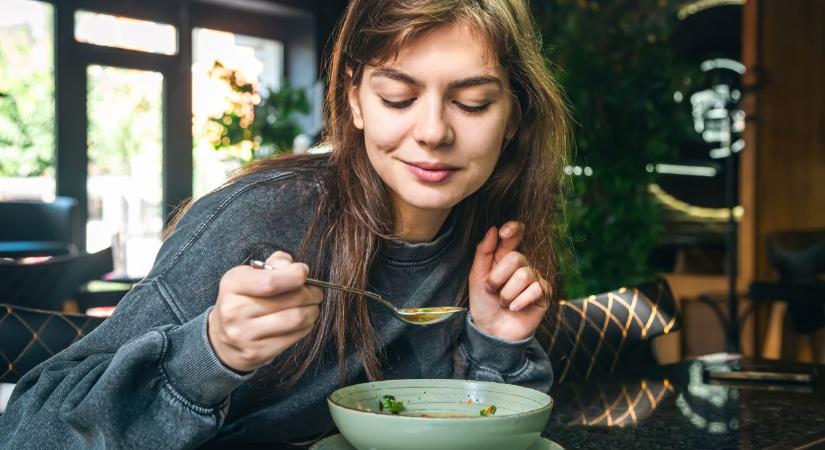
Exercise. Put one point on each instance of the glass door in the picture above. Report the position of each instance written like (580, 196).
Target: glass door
(125, 161)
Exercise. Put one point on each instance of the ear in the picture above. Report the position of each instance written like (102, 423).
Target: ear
(355, 107)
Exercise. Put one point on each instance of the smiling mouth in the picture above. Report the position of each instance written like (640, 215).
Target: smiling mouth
(431, 172)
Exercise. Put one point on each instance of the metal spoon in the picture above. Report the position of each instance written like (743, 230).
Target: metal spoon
(415, 316)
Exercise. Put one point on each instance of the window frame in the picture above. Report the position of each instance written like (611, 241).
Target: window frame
(286, 21)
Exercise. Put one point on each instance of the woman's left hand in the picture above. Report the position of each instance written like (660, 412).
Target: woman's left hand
(506, 294)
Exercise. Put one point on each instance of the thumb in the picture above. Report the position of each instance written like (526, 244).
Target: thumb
(485, 253)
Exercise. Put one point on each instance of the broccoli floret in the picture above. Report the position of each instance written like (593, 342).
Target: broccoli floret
(392, 405)
(488, 411)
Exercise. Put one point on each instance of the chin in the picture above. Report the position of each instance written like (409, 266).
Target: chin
(430, 200)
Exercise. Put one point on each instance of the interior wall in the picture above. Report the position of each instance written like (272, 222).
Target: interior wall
(783, 164)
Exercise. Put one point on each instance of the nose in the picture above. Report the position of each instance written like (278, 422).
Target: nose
(433, 130)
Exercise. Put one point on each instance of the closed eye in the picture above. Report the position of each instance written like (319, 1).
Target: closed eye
(472, 109)
(397, 105)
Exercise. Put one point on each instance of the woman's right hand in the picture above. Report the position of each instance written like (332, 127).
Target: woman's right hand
(260, 313)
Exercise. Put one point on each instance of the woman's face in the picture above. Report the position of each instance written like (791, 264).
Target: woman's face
(435, 118)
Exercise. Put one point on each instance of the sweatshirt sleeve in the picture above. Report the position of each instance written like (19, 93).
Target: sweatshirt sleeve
(480, 356)
(148, 377)
(162, 388)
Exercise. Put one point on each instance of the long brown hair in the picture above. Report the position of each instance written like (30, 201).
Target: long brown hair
(355, 214)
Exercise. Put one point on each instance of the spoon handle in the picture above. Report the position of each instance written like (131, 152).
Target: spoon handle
(325, 284)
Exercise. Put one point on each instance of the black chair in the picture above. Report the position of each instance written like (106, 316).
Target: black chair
(31, 336)
(47, 284)
(602, 333)
(799, 259)
(35, 228)
(610, 402)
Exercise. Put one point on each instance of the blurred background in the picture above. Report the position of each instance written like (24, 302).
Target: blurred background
(699, 139)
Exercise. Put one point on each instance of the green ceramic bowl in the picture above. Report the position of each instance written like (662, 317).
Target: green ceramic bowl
(440, 414)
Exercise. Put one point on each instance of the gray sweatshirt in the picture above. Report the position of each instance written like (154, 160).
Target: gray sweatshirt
(148, 377)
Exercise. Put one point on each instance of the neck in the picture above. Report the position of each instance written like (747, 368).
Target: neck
(418, 225)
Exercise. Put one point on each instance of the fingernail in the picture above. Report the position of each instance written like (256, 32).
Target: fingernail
(514, 307)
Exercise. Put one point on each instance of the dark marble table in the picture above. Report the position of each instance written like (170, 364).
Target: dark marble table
(676, 406)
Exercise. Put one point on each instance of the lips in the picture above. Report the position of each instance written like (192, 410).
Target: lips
(431, 171)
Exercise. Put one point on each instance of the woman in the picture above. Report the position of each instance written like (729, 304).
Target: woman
(448, 135)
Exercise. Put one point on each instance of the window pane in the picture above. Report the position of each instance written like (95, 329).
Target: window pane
(26, 101)
(253, 60)
(125, 166)
(125, 32)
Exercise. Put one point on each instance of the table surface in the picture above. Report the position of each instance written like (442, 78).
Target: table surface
(675, 406)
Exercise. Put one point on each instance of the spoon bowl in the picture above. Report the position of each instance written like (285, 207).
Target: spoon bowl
(414, 316)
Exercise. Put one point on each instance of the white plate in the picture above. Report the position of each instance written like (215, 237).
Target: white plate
(337, 442)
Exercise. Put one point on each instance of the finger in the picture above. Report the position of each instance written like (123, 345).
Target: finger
(303, 296)
(483, 260)
(275, 345)
(518, 282)
(284, 322)
(279, 259)
(261, 352)
(532, 295)
(252, 282)
(503, 270)
(511, 234)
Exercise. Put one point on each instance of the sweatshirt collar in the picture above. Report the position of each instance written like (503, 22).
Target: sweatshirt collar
(405, 253)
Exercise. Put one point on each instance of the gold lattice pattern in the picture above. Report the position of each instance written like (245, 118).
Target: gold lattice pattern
(614, 405)
(29, 337)
(589, 335)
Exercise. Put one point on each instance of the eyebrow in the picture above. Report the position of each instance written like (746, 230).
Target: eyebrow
(458, 84)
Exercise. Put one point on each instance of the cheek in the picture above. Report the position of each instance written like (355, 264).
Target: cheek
(383, 139)
(483, 143)
(383, 130)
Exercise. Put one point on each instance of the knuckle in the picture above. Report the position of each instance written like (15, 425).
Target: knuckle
(293, 317)
(523, 274)
(250, 355)
(507, 295)
(272, 282)
(227, 312)
(545, 286)
(300, 271)
(234, 333)
(280, 254)
(514, 258)
(227, 281)
(542, 300)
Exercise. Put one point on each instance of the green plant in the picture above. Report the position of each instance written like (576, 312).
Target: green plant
(25, 142)
(261, 124)
(616, 66)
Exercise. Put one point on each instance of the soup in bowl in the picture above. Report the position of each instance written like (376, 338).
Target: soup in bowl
(439, 414)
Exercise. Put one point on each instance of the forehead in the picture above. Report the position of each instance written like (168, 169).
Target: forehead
(455, 45)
